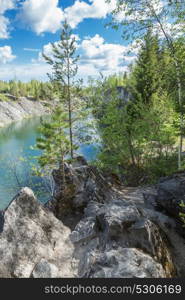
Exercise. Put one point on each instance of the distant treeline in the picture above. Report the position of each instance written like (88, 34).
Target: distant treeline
(36, 89)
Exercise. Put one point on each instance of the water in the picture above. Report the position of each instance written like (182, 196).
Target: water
(17, 158)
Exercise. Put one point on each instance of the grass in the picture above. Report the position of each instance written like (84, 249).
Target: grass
(3, 97)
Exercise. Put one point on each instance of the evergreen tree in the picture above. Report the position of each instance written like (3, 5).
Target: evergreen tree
(141, 15)
(147, 72)
(54, 142)
(63, 61)
(14, 90)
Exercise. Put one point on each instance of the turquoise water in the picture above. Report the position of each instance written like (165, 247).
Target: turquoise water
(17, 159)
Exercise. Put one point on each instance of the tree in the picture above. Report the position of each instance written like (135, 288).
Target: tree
(64, 65)
(14, 90)
(54, 141)
(147, 73)
(167, 17)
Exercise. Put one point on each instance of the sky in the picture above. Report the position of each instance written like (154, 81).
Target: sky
(27, 27)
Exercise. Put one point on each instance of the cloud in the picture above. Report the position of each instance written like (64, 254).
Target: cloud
(41, 15)
(31, 49)
(96, 56)
(4, 27)
(6, 54)
(5, 5)
(4, 22)
(81, 10)
(142, 12)
(46, 15)
(25, 72)
(104, 57)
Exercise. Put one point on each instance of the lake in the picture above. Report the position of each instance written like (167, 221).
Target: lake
(17, 157)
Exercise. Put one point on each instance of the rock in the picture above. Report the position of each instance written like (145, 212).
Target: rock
(124, 263)
(1, 220)
(112, 223)
(83, 184)
(33, 240)
(170, 194)
(44, 269)
(15, 110)
(115, 234)
(119, 227)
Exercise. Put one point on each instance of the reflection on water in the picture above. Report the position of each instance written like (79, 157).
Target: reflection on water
(17, 159)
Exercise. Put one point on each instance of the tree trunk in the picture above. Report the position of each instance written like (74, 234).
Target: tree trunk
(70, 112)
(179, 84)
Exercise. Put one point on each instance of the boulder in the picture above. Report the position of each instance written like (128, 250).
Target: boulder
(170, 194)
(33, 242)
(109, 243)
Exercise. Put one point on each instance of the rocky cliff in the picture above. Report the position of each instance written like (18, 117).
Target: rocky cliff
(92, 229)
(15, 110)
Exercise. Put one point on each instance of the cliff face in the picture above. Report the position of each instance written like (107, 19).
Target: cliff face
(108, 231)
(15, 110)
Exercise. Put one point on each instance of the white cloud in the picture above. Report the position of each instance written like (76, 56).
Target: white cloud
(142, 11)
(46, 16)
(104, 57)
(41, 15)
(24, 72)
(5, 5)
(4, 27)
(4, 22)
(6, 54)
(81, 10)
(98, 56)
(31, 49)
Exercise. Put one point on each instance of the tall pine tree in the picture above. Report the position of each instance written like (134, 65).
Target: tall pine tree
(64, 64)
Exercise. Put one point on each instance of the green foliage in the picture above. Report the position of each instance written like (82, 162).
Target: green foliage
(146, 75)
(64, 66)
(3, 97)
(139, 132)
(54, 141)
(35, 89)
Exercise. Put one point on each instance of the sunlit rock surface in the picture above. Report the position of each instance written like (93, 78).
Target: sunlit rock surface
(34, 243)
(15, 110)
(92, 229)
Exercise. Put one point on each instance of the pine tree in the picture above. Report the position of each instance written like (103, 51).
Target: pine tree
(14, 90)
(147, 75)
(54, 142)
(64, 65)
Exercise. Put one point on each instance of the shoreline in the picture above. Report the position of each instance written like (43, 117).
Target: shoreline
(12, 111)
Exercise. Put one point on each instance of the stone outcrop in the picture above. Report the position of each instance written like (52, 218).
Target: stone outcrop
(15, 110)
(33, 242)
(171, 193)
(115, 225)
(110, 232)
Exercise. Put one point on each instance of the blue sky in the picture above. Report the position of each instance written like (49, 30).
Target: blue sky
(27, 27)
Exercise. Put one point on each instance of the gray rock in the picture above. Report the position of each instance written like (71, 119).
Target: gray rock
(44, 269)
(125, 263)
(1, 220)
(30, 235)
(15, 110)
(117, 234)
(170, 194)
